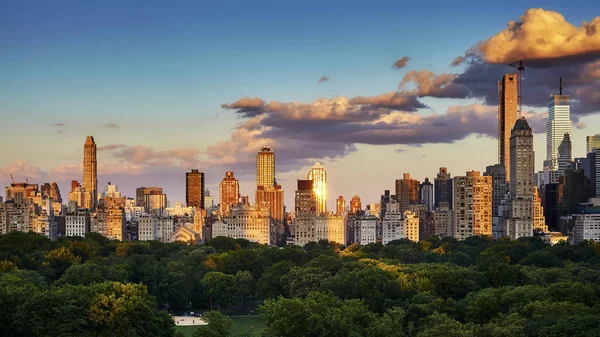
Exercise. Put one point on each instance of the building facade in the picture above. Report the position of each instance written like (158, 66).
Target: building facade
(90, 173)
(355, 204)
(229, 193)
(306, 212)
(271, 198)
(194, 189)
(77, 224)
(472, 205)
(265, 167)
(426, 194)
(522, 168)
(559, 123)
(508, 106)
(443, 189)
(340, 206)
(592, 142)
(499, 189)
(407, 192)
(319, 177)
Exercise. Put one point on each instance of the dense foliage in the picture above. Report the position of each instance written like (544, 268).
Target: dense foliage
(439, 287)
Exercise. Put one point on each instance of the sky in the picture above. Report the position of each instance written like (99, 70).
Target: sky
(370, 89)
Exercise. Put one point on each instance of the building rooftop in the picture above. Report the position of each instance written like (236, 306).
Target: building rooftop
(521, 124)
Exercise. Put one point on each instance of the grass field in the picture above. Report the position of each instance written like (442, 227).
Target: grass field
(240, 324)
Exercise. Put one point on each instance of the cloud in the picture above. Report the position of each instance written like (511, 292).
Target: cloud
(21, 170)
(429, 84)
(113, 126)
(246, 106)
(323, 79)
(390, 100)
(110, 147)
(401, 63)
(542, 36)
(142, 155)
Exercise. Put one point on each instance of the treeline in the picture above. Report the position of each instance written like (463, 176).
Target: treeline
(476, 287)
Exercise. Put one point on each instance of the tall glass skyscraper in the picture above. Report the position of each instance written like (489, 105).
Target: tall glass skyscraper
(559, 123)
(319, 177)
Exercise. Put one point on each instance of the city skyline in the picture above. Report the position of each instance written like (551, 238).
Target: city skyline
(303, 132)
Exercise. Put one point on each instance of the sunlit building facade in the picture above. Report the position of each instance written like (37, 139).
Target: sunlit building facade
(407, 192)
(271, 198)
(319, 177)
(355, 204)
(229, 193)
(265, 167)
(508, 106)
(90, 173)
(340, 206)
(331, 228)
(472, 205)
(592, 142)
(559, 123)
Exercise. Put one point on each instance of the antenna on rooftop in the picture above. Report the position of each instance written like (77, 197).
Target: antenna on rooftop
(560, 90)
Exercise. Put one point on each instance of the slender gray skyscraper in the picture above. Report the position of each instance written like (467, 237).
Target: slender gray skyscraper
(559, 123)
(520, 222)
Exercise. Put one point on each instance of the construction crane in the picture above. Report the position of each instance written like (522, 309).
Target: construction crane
(520, 68)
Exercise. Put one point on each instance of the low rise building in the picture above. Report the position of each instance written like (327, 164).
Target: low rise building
(587, 222)
(77, 224)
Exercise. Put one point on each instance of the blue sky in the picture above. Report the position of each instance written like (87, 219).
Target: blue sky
(161, 70)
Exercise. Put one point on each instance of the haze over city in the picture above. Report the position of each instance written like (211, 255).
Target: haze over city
(371, 92)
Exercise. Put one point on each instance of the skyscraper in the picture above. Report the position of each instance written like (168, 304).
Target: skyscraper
(340, 206)
(194, 189)
(443, 188)
(229, 191)
(271, 198)
(507, 115)
(472, 205)
(520, 219)
(499, 189)
(319, 177)
(355, 205)
(407, 192)
(306, 212)
(559, 123)
(90, 173)
(265, 167)
(426, 194)
(565, 157)
(591, 143)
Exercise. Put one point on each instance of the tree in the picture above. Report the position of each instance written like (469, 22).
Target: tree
(82, 274)
(220, 287)
(442, 325)
(218, 325)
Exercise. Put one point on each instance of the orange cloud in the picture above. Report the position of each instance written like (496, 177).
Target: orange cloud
(542, 35)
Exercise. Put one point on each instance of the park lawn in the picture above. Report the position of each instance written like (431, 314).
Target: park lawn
(240, 324)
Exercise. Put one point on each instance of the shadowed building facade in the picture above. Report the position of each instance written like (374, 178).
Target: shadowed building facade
(443, 188)
(194, 189)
